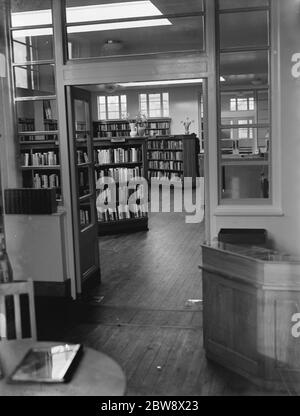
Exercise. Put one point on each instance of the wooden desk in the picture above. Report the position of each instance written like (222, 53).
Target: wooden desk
(95, 375)
(250, 295)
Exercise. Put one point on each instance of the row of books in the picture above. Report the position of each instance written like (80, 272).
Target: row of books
(105, 196)
(40, 159)
(30, 201)
(113, 127)
(119, 155)
(123, 212)
(50, 125)
(165, 155)
(82, 157)
(32, 138)
(121, 175)
(168, 176)
(46, 181)
(27, 124)
(158, 125)
(159, 164)
(165, 144)
(84, 217)
(156, 132)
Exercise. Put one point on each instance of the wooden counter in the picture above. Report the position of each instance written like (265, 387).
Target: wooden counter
(250, 295)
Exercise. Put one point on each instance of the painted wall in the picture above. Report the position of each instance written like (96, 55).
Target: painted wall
(283, 230)
(183, 101)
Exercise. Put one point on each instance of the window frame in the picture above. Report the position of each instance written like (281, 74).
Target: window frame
(107, 111)
(164, 111)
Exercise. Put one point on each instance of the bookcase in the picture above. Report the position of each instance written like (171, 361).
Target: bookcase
(120, 128)
(121, 159)
(172, 157)
(39, 155)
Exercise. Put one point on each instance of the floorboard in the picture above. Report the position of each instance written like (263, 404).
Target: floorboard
(144, 313)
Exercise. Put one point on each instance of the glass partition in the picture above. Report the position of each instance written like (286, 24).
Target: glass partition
(33, 70)
(244, 130)
(101, 28)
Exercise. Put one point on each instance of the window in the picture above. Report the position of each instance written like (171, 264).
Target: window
(111, 107)
(154, 105)
(245, 133)
(242, 104)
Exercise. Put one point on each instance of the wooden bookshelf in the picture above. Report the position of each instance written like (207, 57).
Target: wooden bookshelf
(122, 160)
(120, 128)
(172, 157)
(39, 155)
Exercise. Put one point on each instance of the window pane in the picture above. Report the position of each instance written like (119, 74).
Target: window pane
(32, 45)
(34, 80)
(244, 68)
(243, 182)
(178, 34)
(106, 10)
(38, 115)
(251, 27)
(30, 12)
(101, 99)
(245, 141)
(239, 4)
(257, 110)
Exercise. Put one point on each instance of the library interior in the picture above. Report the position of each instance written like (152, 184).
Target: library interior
(149, 193)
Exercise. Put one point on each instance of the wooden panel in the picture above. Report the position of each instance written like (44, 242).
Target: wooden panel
(286, 346)
(189, 157)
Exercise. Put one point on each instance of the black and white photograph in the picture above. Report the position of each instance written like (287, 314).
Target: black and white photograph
(149, 201)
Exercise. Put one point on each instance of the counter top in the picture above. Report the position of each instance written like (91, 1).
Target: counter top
(257, 253)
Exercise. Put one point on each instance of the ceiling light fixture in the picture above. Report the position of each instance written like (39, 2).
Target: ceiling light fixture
(158, 83)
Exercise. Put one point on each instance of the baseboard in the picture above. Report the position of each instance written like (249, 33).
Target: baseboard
(53, 289)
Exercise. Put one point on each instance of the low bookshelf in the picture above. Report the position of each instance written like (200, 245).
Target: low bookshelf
(120, 128)
(121, 159)
(172, 158)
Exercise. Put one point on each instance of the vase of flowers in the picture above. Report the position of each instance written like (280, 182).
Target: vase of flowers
(141, 122)
(187, 123)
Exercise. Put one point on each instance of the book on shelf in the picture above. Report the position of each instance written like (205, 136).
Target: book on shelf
(84, 217)
(123, 212)
(40, 159)
(119, 155)
(121, 175)
(82, 157)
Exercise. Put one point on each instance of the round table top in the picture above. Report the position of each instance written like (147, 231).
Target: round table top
(95, 375)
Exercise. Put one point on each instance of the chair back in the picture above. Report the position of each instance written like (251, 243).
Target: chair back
(17, 311)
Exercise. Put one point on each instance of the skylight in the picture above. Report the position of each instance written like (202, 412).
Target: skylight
(32, 18)
(110, 11)
(118, 25)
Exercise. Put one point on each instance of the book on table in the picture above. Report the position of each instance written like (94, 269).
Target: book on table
(49, 364)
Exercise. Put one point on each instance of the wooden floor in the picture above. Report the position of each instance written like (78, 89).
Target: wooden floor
(147, 313)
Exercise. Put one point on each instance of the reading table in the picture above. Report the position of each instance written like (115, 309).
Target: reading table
(96, 374)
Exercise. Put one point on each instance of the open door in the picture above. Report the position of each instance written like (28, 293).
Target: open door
(83, 189)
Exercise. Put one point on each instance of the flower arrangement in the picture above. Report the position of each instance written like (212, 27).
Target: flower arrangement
(141, 119)
(187, 122)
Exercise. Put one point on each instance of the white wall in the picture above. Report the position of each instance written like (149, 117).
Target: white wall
(184, 102)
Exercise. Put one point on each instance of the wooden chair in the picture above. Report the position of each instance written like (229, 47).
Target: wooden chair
(14, 290)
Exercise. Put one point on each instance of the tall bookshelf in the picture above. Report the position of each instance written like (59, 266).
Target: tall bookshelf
(120, 128)
(172, 158)
(39, 155)
(121, 159)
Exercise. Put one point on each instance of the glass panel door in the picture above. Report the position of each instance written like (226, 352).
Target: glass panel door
(83, 189)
